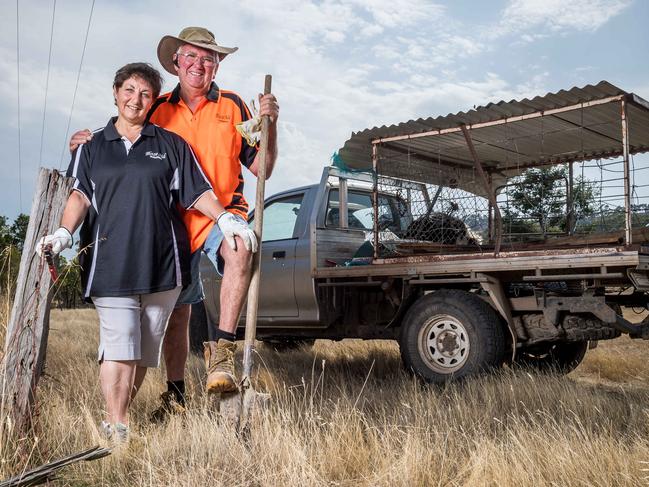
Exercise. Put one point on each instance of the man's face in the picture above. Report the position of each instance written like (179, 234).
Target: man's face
(196, 67)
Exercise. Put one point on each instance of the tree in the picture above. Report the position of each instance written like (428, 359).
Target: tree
(9, 258)
(540, 194)
(5, 237)
(515, 224)
(12, 240)
(18, 230)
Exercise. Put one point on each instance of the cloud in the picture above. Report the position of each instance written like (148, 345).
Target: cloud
(557, 16)
(400, 13)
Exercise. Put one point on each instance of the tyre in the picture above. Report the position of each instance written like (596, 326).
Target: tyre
(553, 357)
(286, 345)
(450, 334)
(198, 328)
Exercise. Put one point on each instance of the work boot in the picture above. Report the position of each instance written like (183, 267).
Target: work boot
(219, 361)
(168, 407)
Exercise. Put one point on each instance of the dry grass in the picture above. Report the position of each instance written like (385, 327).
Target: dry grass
(5, 312)
(346, 414)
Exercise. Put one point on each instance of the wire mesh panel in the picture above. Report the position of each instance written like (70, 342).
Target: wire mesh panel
(431, 218)
(543, 202)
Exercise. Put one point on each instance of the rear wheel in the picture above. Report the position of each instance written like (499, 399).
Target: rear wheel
(451, 334)
(554, 357)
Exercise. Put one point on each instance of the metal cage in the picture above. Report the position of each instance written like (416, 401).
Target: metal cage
(557, 170)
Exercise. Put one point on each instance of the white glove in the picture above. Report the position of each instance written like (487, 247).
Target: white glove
(231, 226)
(59, 240)
(250, 130)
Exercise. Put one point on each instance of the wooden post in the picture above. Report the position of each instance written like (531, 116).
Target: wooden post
(253, 290)
(26, 340)
(237, 408)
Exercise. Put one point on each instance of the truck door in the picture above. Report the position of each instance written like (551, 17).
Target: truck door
(277, 284)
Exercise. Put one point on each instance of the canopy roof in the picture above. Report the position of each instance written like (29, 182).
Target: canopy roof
(509, 137)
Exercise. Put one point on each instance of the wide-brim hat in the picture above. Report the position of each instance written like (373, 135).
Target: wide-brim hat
(196, 36)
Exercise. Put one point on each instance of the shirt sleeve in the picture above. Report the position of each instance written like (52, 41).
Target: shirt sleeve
(79, 169)
(190, 181)
(247, 154)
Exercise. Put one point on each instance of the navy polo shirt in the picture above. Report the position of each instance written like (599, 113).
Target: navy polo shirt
(133, 240)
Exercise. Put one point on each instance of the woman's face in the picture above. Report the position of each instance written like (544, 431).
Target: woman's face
(133, 99)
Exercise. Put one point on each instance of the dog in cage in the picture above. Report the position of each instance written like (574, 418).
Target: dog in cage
(442, 227)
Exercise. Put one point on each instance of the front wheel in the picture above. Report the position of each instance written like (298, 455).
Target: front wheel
(451, 334)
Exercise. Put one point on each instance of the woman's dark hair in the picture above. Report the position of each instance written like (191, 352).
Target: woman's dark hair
(140, 70)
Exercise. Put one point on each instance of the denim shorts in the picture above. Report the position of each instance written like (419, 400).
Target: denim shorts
(193, 293)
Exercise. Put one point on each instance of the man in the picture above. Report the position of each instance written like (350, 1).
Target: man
(206, 117)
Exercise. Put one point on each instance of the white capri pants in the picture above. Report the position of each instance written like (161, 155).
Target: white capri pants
(133, 327)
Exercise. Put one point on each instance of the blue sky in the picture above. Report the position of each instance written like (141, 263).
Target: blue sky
(338, 66)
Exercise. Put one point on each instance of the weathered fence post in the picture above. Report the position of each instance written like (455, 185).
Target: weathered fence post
(28, 327)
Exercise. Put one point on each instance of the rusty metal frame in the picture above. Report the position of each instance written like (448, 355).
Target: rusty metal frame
(518, 118)
(496, 233)
(491, 195)
(343, 202)
(628, 233)
(445, 265)
(375, 198)
(313, 220)
(570, 204)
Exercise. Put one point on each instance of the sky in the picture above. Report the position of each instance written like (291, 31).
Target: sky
(338, 66)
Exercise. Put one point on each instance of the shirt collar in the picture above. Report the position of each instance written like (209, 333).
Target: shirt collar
(212, 94)
(111, 133)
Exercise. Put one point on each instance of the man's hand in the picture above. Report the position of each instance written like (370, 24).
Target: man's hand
(80, 137)
(59, 240)
(268, 106)
(231, 227)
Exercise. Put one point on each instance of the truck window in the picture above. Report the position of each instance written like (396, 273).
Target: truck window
(360, 211)
(280, 217)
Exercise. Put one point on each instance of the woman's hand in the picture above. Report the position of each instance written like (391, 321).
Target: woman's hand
(74, 212)
(59, 241)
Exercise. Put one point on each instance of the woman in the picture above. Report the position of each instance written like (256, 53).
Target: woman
(129, 180)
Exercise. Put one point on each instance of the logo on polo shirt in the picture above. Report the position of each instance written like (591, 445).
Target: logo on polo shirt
(155, 155)
(223, 118)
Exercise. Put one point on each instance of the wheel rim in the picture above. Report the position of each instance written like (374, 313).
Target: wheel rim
(443, 343)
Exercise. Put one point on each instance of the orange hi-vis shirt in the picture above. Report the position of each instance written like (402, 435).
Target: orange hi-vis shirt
(211, 133)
